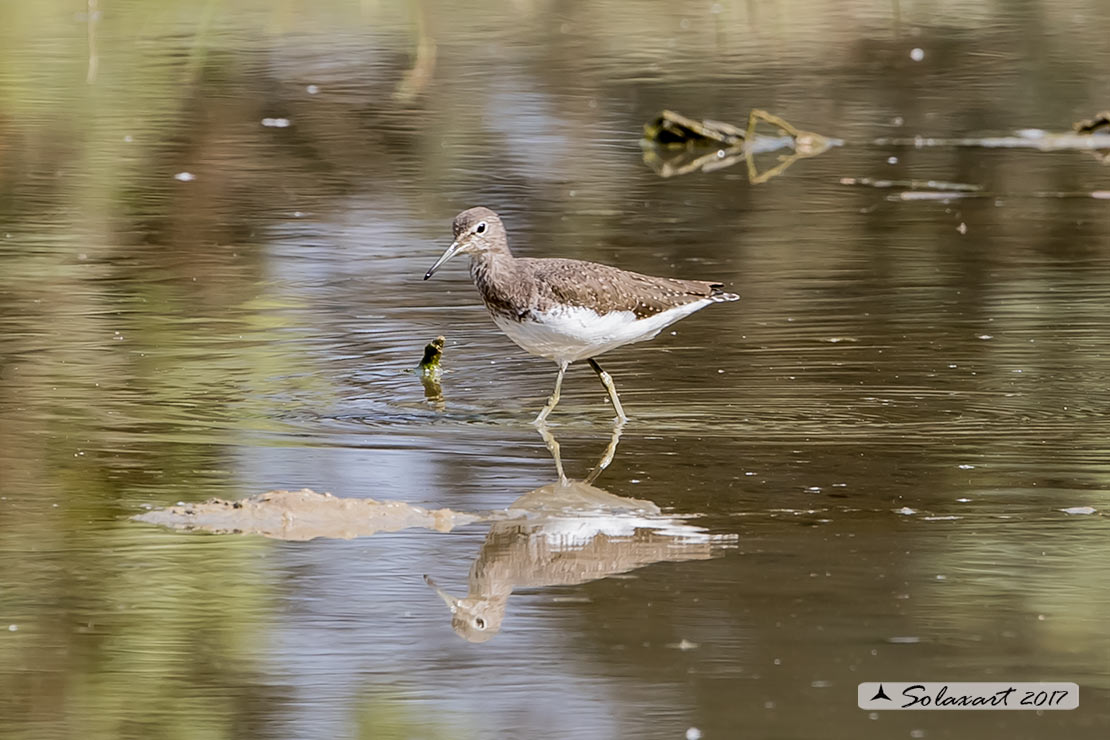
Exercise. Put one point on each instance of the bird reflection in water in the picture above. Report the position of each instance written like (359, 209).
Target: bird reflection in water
(566, 533)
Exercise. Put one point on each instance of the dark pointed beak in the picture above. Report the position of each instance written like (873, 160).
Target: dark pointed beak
(451, 252)
(451, 601)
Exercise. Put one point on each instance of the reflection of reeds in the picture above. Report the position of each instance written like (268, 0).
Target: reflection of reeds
(94, 59)
(201, 37)
(145, 614)
(424, 62)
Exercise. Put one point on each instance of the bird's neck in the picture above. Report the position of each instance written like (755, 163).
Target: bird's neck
(497, 278)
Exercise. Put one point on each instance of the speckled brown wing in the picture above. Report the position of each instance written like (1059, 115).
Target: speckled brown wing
(605, 289)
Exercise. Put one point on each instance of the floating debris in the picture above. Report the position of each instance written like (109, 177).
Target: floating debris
(687, 161)
(1079, 510)
(1044, 141)
(430, 371)
(433, 352)
(676, 145)
(1091, 125)
(931, 195)
(675, 131)
(185, 176)
(682, 644)
(925, 185)
(276, 122)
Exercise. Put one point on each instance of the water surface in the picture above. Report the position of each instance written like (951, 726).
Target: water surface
(197, 300)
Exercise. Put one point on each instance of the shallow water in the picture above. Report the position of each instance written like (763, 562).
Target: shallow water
(890, 423)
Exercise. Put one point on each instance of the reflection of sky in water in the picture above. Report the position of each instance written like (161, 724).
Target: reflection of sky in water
(356, 621)
(533, 133)
(358, 627)
(387, 468)
(369, 237)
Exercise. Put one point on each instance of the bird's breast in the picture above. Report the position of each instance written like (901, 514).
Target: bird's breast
(571, 333)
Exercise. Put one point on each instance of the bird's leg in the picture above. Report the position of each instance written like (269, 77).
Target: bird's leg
(607, 381)
(610, 451)
(552, 447)
(554, 394)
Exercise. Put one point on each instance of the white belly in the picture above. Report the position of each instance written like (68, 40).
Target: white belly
(568, 334)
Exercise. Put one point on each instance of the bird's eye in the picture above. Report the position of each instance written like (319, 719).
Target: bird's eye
(480, 228)
(479, 623)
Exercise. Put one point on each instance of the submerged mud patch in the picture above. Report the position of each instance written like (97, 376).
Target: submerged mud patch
(304, 515)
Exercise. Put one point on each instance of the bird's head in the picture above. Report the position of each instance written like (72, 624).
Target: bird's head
(477, 230)
(474, 618)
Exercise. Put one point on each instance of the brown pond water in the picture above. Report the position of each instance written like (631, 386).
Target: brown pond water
(884, 432)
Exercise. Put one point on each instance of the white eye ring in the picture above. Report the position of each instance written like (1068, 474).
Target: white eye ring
(480, 228)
